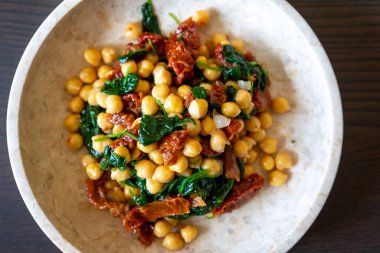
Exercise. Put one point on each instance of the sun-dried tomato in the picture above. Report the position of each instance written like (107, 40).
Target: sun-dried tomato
(171, 144)
(196, 202)
(189, 97)
(116, 73)
(146, 234)
(132, 102)
(124, 141)
(261, 99)
(158, 42)
(249, 56)
(217, 94)
(231, 168)
(241, 193)
(131, 47)
(188, 32)
(180, 60)
(123, 119)
(206, 148)
(219, 55)
(232, 129)
(96, 194)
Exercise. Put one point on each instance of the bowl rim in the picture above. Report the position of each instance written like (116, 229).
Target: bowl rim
(14, 148)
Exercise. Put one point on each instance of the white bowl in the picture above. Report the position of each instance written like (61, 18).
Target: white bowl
(50, 178)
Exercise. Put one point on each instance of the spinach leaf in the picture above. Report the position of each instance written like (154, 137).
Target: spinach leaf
(117, 136)
(111, 159)
(133, 55)
(137, 182)
(189, 185)
(231, 93)
(89, 127)
(199, 92)
(245, 116)
(154, 128)
(261, 77)
(169, 188)
(240, 164)
(121, 86)
(149, 19)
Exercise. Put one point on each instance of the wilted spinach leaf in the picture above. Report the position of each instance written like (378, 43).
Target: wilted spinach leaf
(133, 55)
(111, 159)
(149, 19)
(89, 127)
(240, 164)
(231, 93)
(199, 92)
(121, 86)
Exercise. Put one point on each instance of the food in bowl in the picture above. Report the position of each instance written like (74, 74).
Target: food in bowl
(173, 127)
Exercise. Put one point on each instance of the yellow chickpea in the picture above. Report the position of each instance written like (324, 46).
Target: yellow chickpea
(210, 74)
(85, 91)
(162, 228)
(130, 191)
(259, 135)
(142, 86)
(194, 129)
(283, 160)
(75, 141)
(73, 86)
(156, 157)
(72, 122)
(163, 174)
(213, 166)
(192, 148)
(152, 58)
(114, 104)
(149, 106)
(183, 90)
(189, 233)
(206, 86)
(173, 104)
(92, 56)
(87, 160)
(118, 129)
(94, 171)
(269, 145)
(99, 146)
(195, 162)
(103, 123)
(241, 149)
(180, 165)
(242, 126)
(238, 45)
(88, 75)
(218, 38)
(128, 67)
(253, 124)
(266, 120)
(92, 96)
(104, 71)
(148, 148)
(171, 221)
(267, 162)
(218, 140)
(109, 55)
(145, 168)
(198, 108)
(207, 126)
(153, 186)
(252, 156)
(200, 62)
(248, 170)
(173, 241)
(123, 152)
(121, 175)
(249, 109)
(145, 68)
(101, 99)
(132, 31)
(116, 194)
(277, 178)
(201, 17)
(280, 105)
(251, 142)
(76, 104)
(160, 66)
(230, 109)
(99, 83)
(163, 77)
(233, 84)
(203, 51)
(243, 99)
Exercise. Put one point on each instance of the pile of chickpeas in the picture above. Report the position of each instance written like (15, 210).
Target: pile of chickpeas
(251, 145)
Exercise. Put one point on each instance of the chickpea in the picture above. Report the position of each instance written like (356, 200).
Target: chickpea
(85, 91)
(145, 68)
(101, 99)
(173, 241)
(258, 135)
(87, 160)
(171, 221)
(123, 151)
(230, 109)
(99, 146)
(248, 170)
(253, 124)
(103, 123)
(203, 51)
(283, 161)
(88, 75)
(104, 71)
(200, 62)
(195, 162)
(233, 84)
(72, 122)
(92, 96)
(142, 86)
(189, 233)
(269, 145)
(267, 162)
(277, 178)
(114, 104)
(173, 90)
(76, 104)
(194, 130)
(183, 90)
(198, 108)
(280, 105)
(92, 56)
(128, 67)
(136, 154)
(149, 106)
(266, 120)
(110, 184)
(148, 148)
(242, 126)
(252, 156)
(238, 45)
(241, 149)
(249, 109)
(161, 66)
(116, 195)
(251, 142)
(118, 129)
(121, 175)
(130, 191)
(186, 173)
(156, 157)
(201, 17)
(152, 58)
(213, 166)
(218, 140)
(132, 31)
(94, 171)
(162, 228)
(163, 174)
(243, 99)
(75, 141)
(192, 148)
(206, 86)
(136, 122)
(180, 165)
(173, 103)
(207, 125)
(145, 168)
(163, 77)
(109, 55)
(99, 83)
(153, 186)
(73, 86)
(210, 74)
(218, 38)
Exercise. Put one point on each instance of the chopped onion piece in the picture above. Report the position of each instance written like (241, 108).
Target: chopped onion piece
(244, 85)
(220, 120)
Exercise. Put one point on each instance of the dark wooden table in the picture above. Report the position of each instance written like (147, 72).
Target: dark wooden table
(350, 33)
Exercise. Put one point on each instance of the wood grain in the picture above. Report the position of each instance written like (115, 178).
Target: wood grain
(350, 32)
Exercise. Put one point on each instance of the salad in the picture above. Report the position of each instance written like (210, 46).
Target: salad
(174, 127)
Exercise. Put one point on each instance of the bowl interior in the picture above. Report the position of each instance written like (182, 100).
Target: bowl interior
(276, 218)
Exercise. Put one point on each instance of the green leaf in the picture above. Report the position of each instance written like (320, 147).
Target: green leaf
(133, 55)
(241, 166)
(188, 185)
(121, 86)
(117, 136)
(161, 106)
(231, 93)
(204, 65)
(199, 92)
(111, 159)
(174, 17)
(89, 127)
(149, 19)
(151, 46)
